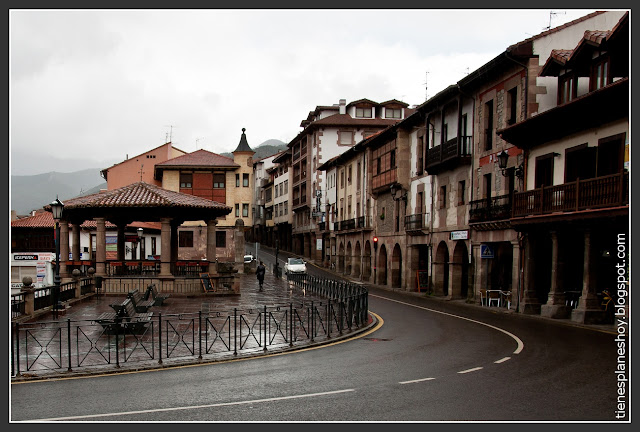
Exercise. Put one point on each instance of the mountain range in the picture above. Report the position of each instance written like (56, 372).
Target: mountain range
(32, 192)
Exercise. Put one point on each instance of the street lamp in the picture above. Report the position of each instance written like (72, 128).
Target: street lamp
(141, 242)
(56, 209)
(395, 190)
(503, 157)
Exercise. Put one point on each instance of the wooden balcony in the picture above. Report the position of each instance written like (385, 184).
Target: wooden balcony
(490, 209)
(599, 192)
(448, 155)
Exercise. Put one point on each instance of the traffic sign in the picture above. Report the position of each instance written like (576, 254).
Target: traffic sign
(486, 251)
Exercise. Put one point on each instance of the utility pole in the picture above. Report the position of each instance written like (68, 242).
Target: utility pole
(170, 133)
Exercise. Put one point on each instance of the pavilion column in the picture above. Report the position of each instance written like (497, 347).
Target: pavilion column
(121, 251)
(165, 244)
(211, 245)
(64, 248)
(174, 240)
(101, 247)
(75, 244)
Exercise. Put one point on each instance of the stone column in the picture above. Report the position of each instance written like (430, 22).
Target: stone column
(555, 306)
(480, 281)
(165, 247)
(529, 301)
(75, 248)
(211, 246)
(588, 310)
(64, 248)
(120, 241)
(101, 247)
(238, 237)
(515, 273)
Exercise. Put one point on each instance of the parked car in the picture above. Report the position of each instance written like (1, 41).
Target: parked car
(295, 266)
(248, 259)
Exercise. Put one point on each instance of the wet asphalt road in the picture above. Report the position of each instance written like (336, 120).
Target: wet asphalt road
(429, 361)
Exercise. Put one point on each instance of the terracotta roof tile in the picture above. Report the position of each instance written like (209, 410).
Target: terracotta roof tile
(596, 36)
(141, 194)
(45, 220)
(199, 158)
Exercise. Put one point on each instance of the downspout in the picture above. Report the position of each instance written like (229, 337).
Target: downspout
(473, 122)
(525, 164)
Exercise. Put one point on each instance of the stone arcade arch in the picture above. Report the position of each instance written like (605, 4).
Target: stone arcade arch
(349, 259)
(382, 266)
(396, 267)
(366, 265)
(460, 271)
(357, 261)
(440, 275)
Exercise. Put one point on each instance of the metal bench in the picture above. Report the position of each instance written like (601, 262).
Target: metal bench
(140, 304)
(153, 294)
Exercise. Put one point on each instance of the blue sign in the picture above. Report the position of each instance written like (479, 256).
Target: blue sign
(486, 251)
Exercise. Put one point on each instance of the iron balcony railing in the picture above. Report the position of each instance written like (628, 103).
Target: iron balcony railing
(347, 224)
(599, 192)
(417, 222)
(487, 209)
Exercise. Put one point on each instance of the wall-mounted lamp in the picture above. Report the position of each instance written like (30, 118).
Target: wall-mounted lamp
(503, 157)
(396, 193)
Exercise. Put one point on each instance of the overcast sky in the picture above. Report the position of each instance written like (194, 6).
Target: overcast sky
(104, 84)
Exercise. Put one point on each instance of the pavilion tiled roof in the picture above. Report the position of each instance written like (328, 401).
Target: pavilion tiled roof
(45, 220)
(141, 195)
(199, 158)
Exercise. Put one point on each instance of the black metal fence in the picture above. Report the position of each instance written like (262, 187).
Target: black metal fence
(58, 346)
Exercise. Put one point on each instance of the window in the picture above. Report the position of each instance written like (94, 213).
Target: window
(599, 75)
(445, 133)
(342, 179)
(218, 181)
(345, 138)
(153, 246)
(420, 154)
(186, 180)
(488, 125)
(276, 188)
(350, 174)
(286, 207)
(487, 186)
(392, 157)
(286, 186)
(237, 180)
(544, 170)
(237, 210)
(245, 180)
(358, 174)
(245, 210)
(443, 197)
(567, 88)
(394, 113)
(461, 191)
(379, 165)
(185, 239)
(363, 112)
(281, 188)
(512, 105)
(221, 239)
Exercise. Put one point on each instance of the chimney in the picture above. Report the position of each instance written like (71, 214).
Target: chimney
(343, 106)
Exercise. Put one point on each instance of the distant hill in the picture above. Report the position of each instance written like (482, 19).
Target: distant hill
(32, 192)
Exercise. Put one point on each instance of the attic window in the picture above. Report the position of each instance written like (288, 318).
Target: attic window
(363, 112)
(394, 113)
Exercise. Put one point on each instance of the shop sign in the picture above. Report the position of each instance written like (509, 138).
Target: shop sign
(460, 235)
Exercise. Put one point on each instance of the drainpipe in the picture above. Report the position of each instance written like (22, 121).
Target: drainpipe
(525, 165)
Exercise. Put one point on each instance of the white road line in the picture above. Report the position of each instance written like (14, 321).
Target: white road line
(222, 404)
(470, 370)
(516, 338)
(416, 381)
(502, 360)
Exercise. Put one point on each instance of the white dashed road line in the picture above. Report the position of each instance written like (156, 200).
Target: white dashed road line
(416, 381)
(470, 370)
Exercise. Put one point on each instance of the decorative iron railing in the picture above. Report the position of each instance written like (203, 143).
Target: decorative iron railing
(337, 309)
(417, 222)
(487, 209)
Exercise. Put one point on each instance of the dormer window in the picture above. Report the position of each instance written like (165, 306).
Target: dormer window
(567, 88)
(362, 112)
(393, 113)
(600, 74)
